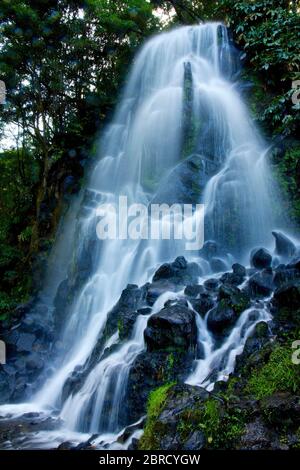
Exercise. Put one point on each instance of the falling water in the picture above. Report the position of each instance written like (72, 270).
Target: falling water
(144, 143)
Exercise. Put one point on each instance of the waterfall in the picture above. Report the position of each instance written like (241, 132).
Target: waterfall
(180, 100)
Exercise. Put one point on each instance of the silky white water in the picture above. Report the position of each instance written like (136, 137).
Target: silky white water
(139, 148)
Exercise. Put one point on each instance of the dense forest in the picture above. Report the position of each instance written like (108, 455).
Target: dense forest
(64, 65)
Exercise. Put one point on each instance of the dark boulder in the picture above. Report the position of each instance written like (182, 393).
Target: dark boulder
(203, 304)
(193, 290)
(236, 277)
(283, 245)
(221, 317)
(211, 284)
(237, 299)
(239, 270)
(286, 303)
(179, 272)
(260, 258)
(173, 327)
(261, 284)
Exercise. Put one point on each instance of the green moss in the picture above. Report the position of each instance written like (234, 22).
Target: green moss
(156, 401)
(278, 374)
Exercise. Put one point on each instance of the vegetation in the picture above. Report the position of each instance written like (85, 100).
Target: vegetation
(278, 374)
(63, 63)
(156, 401)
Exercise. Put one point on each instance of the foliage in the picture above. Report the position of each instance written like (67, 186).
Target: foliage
(287, 169)
(156, 401)
(62, 63)
(18, 175)
(268, 32)
(278, 374)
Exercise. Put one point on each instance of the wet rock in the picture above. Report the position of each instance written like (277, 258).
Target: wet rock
(260, 258)
(286, 303)
(221, 317)
(25, 342)
(234, 279)
(211, 284)
(282, 408)
(284, 275)
(129, 430)
(288, 296)
(256, 436)
(173, 327)
(217, 265)
(203, 304)
(181, 400)
(34, 361)
(193, 290)
(149, 371)
(196, 441)
(261, 284)
(239, 270)
(237, 299)
(283, 245)
(178, 272)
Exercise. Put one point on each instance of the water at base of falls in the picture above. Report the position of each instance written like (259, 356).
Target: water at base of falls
(179, 88)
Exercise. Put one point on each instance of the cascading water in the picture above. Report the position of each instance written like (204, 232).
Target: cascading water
(179, 90)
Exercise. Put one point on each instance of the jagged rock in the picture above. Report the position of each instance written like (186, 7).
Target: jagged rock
(261, 284)
(283, 245)
(260, 258)
(172, 327)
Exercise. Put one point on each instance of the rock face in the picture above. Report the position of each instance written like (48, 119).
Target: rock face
(165, 433)
(186, 182)
(174, 327)
(28, 339)
(261, 258)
